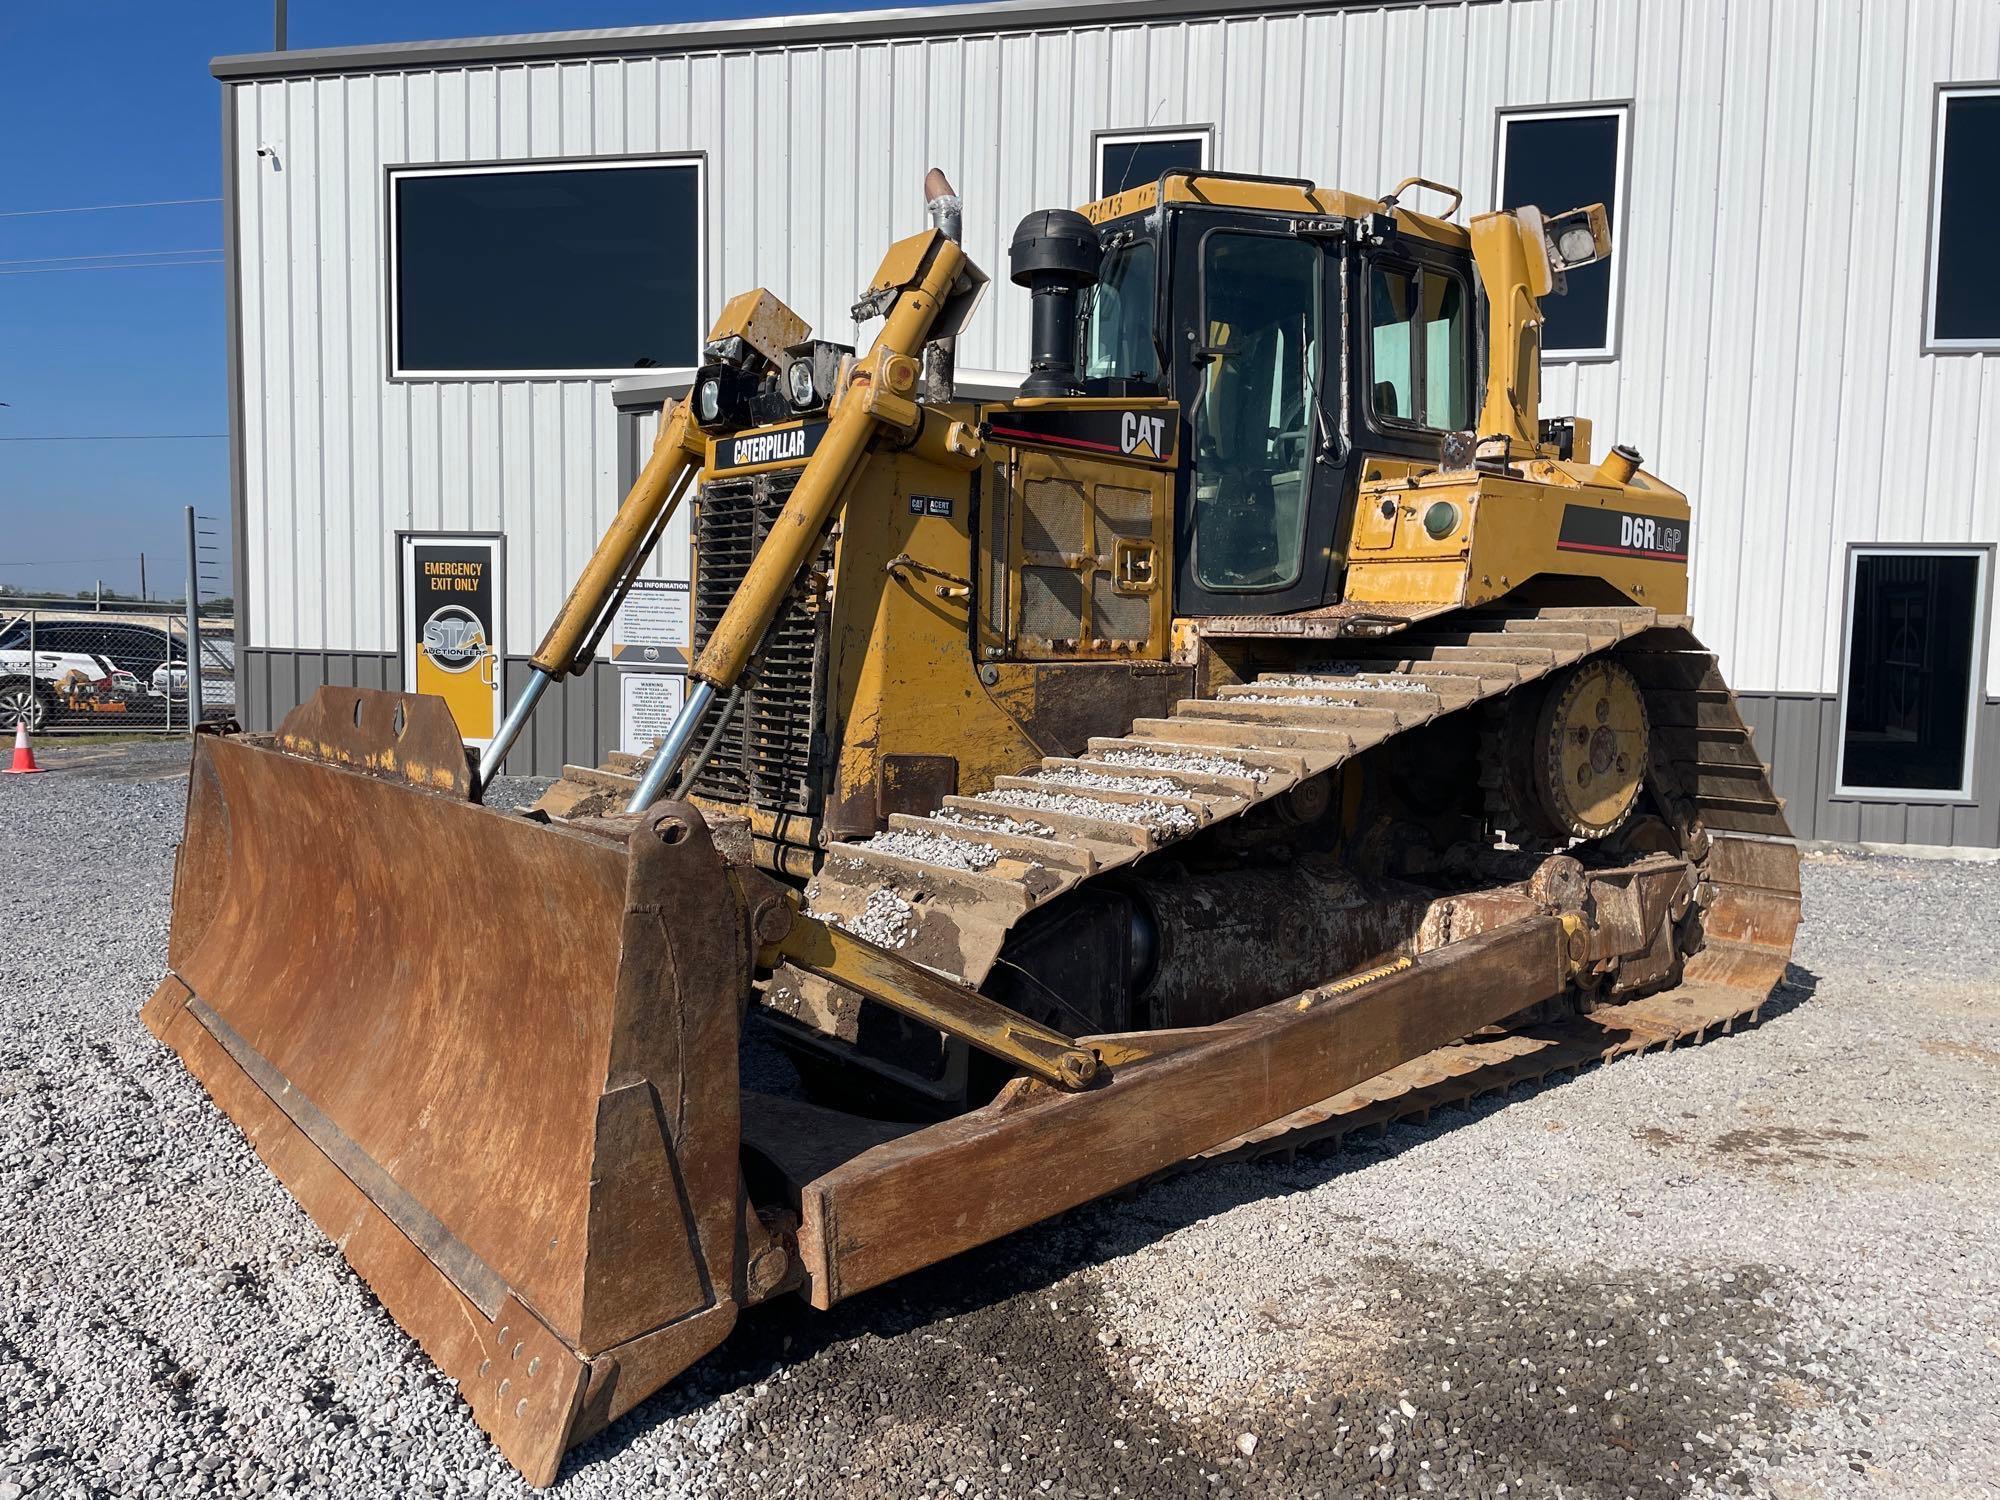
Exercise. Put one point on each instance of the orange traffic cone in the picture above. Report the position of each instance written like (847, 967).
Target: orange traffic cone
(24, 753)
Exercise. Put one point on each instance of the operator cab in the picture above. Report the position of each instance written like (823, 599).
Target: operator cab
(1229, 294)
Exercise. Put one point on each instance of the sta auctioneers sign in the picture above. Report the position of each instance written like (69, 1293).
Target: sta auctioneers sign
(451, 626)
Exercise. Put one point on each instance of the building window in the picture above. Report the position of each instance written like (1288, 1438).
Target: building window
(1556, 160)
(1419, 336)
(1965, 221)
(576, 268)
(1915, 621)
(1136, 158)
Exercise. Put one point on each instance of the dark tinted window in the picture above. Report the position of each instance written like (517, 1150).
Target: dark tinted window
(1911, 648)
(136, 648)
(1557, 164)
(1966, 302)
(571, 268)
(1134, 163)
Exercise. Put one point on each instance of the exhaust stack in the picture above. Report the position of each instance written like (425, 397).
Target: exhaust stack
(948, 218)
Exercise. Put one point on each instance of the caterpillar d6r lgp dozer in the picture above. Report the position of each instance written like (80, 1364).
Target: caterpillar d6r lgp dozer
(1265, 723)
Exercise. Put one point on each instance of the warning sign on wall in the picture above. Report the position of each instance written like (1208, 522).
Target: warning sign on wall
(451, 626)
(651, 629)
(648, 704)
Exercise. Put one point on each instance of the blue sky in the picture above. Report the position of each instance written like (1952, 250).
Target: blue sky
(110, 101)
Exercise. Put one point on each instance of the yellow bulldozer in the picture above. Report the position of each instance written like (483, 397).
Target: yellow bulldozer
(1265, 717)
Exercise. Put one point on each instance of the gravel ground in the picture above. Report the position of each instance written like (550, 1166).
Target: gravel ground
(1763, 1266)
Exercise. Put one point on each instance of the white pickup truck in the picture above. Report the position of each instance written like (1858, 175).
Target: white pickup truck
(31, 688)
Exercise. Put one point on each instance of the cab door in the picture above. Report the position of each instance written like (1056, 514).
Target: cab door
(1258, 371)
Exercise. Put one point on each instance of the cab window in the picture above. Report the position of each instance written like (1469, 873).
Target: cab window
(1419, 331)
(1118, 322)
(1257, 408)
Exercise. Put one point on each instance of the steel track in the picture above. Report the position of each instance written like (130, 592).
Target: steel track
(1288, 727)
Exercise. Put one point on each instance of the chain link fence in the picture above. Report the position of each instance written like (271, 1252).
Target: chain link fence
(122, 671)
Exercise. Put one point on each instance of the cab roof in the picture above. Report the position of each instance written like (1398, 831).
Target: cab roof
(1268, 195)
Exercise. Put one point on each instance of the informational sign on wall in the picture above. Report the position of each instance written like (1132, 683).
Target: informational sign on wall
(451, 626)
(648, 704)
(651, 629)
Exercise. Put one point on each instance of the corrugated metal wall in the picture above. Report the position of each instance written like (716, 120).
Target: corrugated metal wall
(1773, 258)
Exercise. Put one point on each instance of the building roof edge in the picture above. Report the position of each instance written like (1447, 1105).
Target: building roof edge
(765, 32)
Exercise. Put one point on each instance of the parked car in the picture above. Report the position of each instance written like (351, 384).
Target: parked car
(127, 645)
(218, 682)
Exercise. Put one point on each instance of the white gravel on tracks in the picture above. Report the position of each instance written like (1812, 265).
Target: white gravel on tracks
(1167, 817)
(934, 849)
(994, 823)
(1193, 762)
(1762, 1266)
(887, 920)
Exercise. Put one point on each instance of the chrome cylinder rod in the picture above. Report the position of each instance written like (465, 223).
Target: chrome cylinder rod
(673, 748)
(517, 719)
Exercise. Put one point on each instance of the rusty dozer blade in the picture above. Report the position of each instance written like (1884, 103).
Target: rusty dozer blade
(495, 1059)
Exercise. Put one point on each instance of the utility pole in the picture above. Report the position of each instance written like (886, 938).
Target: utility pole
(278, 26)
(193, 630)
(142, 578)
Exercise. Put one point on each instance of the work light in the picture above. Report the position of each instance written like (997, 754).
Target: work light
(799, 384)
(722, 395)
(812, 372)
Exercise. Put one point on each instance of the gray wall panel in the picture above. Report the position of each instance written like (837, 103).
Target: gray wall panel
(1798, 737)
(1884, 823)
(1927, 823)
(1785, 731)
(1980, 825)
(579, 715)
(1803, 761)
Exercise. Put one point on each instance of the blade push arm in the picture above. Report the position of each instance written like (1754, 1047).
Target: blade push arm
(818, 947)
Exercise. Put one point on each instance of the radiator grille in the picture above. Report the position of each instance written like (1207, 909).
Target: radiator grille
(769, 755)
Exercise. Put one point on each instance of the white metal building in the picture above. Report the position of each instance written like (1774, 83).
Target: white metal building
(1798, 326)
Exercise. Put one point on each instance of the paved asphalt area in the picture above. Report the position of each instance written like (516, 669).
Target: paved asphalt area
(1763, 1266)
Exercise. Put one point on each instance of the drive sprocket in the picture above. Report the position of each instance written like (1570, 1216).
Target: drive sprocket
(1568, 762)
